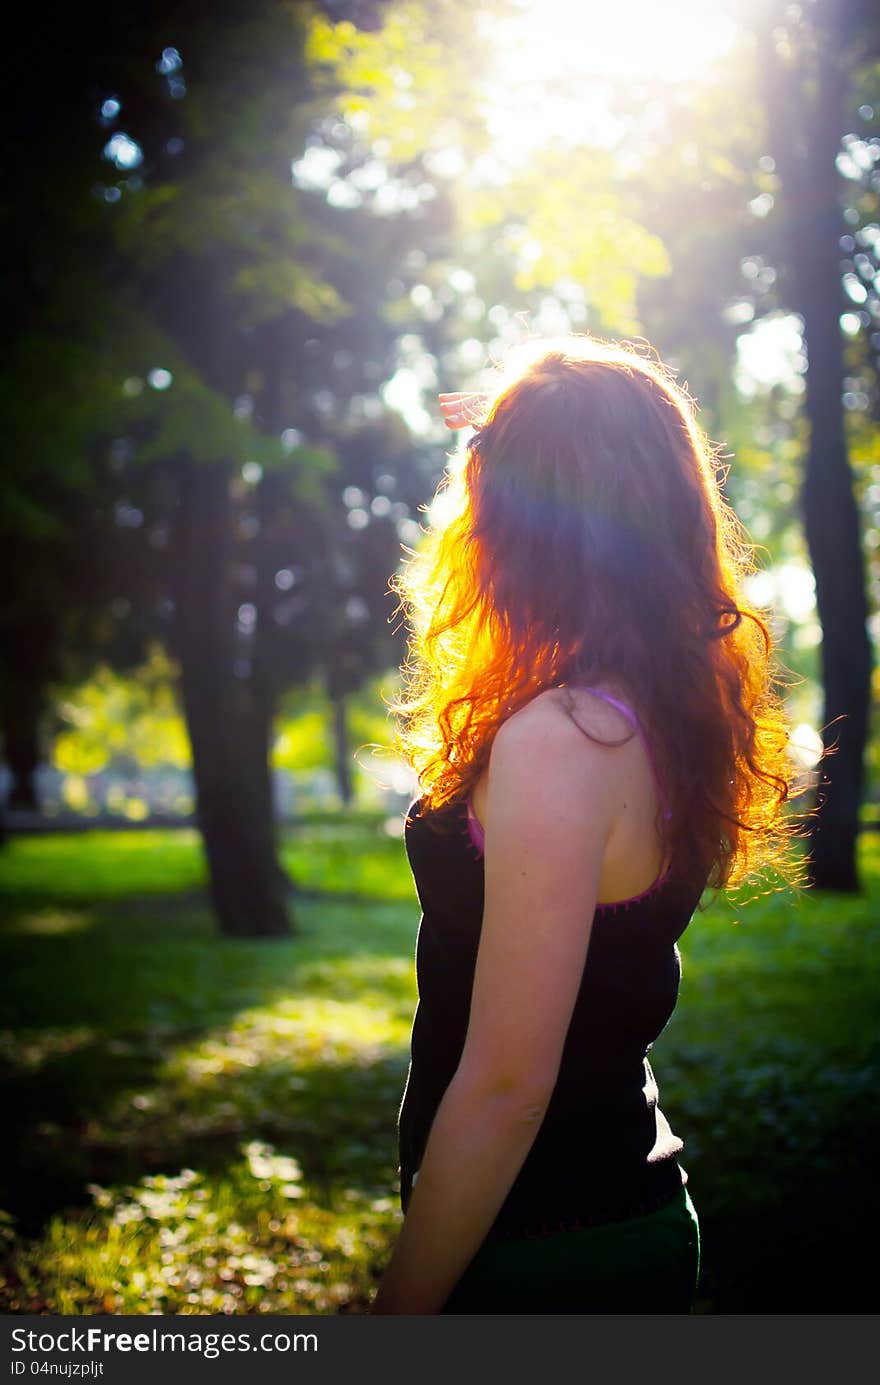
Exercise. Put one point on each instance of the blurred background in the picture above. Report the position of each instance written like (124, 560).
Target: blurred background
(245, 246)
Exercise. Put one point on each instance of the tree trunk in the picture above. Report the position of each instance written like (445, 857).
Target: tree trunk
(227, 732)
(341, 752)
(269, 496)
(262, 717)
(21, 707)
(831, 516)
(805, 106)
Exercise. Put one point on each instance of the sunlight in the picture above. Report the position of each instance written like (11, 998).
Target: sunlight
(559, 48)
(771, 355)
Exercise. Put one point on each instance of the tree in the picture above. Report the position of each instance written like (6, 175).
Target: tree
(809, 68)
(213, 275)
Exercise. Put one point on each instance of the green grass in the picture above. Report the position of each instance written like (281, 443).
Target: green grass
(157, 1078)
(196, 1125)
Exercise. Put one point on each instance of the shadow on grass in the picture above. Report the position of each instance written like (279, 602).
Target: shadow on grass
(102, 1001)
(336, 1118)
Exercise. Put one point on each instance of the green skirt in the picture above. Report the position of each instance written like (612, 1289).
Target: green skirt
(648, 1264)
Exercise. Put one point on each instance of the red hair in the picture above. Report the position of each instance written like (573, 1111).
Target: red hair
(583, 535)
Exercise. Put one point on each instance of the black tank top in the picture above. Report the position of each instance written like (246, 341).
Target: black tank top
(604, 1151)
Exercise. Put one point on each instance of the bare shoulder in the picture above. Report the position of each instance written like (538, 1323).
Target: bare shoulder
(543, 715)
(543, 742)
(558, 717)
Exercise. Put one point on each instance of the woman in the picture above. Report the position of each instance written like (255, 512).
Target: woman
(591, 713)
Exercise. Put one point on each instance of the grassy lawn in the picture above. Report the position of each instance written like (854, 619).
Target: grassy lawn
(196, 1125)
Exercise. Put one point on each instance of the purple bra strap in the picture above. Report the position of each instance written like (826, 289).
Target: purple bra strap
(475, 829)
(634, 722)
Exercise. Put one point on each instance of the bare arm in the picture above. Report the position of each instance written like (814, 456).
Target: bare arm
(548, 817)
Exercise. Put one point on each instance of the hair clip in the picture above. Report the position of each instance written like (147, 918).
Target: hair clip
(463, 410)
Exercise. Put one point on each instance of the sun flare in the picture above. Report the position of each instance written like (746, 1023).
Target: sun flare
(552, 59)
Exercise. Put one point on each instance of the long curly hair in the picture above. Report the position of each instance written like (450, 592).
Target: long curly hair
(582, 535)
